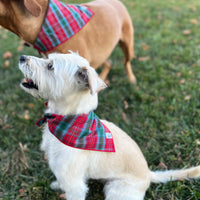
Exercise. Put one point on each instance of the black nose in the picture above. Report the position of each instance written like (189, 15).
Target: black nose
(22, 59)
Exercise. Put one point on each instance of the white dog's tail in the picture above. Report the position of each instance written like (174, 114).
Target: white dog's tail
(172, 175)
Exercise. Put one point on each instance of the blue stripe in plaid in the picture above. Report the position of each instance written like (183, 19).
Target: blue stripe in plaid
(85, 10)
(40, 45)
(61, 18)
(77, 16)
(100, 139)
(84, 131)
(64, 126)
(48, 29)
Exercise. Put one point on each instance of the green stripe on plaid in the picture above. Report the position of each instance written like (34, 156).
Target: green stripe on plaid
(48, 30)
(64, 24)
(77, 16)
(101, 138)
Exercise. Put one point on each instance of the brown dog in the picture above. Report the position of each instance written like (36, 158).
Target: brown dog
(110, 25)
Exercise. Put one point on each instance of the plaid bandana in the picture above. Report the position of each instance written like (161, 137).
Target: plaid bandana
(84, 131)
(61, 23)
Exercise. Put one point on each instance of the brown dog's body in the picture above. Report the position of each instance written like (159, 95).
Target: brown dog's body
(110, 25)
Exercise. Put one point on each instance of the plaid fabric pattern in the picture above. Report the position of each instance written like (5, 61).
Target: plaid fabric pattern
(61, 23)
(84, 131)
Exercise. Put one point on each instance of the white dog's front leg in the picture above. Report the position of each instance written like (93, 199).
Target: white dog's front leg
(75, 189)
(71, 180)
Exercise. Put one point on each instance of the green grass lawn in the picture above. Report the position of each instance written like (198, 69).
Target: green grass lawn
(161, 113)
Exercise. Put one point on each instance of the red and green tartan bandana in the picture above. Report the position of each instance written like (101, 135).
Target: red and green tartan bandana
(84, 131)
(61, 23)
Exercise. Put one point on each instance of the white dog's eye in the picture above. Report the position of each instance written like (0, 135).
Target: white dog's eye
(50, 66)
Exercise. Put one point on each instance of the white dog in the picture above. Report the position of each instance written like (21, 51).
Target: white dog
(70, 85)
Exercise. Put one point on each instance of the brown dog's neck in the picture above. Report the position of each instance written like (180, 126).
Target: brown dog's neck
(18, 19)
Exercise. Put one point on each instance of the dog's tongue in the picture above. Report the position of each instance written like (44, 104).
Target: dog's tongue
(28, 80)
(29, 83)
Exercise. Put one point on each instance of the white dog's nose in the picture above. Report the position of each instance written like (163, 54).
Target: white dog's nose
(22, 59)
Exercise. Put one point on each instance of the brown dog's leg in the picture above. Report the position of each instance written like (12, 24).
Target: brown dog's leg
(127, 45)
(131, 76)
(106, 69)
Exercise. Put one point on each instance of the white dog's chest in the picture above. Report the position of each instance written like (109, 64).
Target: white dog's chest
(52, 146)
(61, 155)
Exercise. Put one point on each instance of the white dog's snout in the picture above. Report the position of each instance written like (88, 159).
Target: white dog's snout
(24, 66)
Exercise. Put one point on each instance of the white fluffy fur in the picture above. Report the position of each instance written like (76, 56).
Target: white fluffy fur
(126, 170)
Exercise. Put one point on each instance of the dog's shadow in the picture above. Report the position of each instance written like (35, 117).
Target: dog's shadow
(95, 190)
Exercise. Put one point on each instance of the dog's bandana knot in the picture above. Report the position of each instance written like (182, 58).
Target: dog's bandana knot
(84, 131)
(45, 118)
(60, 24)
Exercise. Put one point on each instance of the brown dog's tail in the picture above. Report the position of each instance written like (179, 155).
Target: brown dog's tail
(173, 175)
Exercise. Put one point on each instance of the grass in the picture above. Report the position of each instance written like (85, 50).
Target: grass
(161, 113)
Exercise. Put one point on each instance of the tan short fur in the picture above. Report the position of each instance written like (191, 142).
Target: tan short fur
(110, 25)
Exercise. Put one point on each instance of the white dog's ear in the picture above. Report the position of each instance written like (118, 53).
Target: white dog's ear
(87, 78)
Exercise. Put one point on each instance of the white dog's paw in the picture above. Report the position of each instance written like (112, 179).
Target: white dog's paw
(55, 185)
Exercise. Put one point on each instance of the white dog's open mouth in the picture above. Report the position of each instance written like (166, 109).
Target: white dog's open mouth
(28, 83)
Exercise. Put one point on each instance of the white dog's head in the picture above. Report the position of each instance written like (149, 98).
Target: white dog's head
(59, 77)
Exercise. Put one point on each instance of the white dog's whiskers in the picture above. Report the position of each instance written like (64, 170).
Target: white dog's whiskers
(70, 85)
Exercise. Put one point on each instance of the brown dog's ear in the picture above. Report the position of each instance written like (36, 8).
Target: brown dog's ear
(33, 7)
(88, 79)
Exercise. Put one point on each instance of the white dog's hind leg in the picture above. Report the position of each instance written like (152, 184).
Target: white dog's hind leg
(123, 190)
